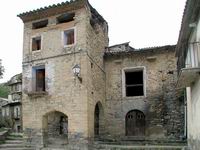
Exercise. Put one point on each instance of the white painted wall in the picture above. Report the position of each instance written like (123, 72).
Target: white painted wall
(193, 92)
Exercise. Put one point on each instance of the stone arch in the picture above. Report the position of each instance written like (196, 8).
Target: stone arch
(98, 119)
(55, 128)
(135, 123)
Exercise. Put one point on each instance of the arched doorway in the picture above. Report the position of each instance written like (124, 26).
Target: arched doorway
(55, 129)
(135, 123)
(98, 119)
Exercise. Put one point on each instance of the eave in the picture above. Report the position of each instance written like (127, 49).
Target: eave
(52, 10)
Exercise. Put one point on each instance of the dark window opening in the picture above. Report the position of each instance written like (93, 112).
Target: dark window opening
(69, 37)
(18, 128)
(65, 18)
(40, 24)
(134, 83)
(36, 43)
(40, 79)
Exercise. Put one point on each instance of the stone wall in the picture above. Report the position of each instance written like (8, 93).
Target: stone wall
(64, 92)
(163, 111)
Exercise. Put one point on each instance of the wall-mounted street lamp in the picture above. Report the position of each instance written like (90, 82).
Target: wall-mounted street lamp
(76, 70)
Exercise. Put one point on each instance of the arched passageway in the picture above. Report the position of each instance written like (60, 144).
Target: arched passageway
(55, 128)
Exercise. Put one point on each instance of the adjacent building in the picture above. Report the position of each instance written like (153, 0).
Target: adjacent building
(77, 89)
(188, 53)
(11, 111)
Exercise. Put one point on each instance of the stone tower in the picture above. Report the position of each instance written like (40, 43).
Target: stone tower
(59, 104)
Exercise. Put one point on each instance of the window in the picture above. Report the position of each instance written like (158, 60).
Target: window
(193, 55)
(65, 18)
(3, 112)
(7, 111)
(36, 43)
(40, 24)
(17, 112)
(69, 37)
(134, 82)
(39, 79)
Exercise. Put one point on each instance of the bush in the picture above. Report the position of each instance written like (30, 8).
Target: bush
(6, 122)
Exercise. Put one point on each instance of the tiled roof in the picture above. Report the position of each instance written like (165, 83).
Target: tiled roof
(128, 50)
(52, 10)
(15, 79)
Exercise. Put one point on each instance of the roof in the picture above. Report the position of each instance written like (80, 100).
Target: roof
(190, 15)
(52, 10)
(15, 79)
(59, 8)
(12, 103)
(124, 48)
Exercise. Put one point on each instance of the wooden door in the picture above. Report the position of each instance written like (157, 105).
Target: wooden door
(135, 123)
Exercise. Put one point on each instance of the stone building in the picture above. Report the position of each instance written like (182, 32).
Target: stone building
(11, 111)
(188, 53)
(76, 89)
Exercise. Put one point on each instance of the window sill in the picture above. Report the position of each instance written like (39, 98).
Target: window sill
(134, 97)
(69, 46)
(37, 93)
(35, 51)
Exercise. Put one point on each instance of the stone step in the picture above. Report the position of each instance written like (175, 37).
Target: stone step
(17, 148)
(139, 147)
(14, 138)
(11, 145)
(13, 141)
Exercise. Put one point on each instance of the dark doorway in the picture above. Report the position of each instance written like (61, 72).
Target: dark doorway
(135, 123)
(55, 129)
(96, 120)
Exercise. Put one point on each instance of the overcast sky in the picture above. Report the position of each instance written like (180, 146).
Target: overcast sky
(143, 23)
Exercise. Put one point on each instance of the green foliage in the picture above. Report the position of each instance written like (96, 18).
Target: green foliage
(6, 122)
(4, 90)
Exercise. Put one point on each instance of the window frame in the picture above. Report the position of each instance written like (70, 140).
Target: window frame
(193, 51)
(31, 43)
(133, 69)
(34, 88)
(63, 37)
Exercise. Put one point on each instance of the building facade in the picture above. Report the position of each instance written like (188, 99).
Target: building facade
(188, 53)
(76, 89)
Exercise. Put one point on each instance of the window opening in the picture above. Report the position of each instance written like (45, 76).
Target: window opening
(36, 43)
(65, 18)
(69, 37)
(40, 79)
(134, 83)
(40, 24)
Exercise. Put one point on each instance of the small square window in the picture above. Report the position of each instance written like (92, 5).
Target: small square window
(36, 43)
(134, 84)
(69, 37)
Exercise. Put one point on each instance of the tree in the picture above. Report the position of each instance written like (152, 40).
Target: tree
(1, 70)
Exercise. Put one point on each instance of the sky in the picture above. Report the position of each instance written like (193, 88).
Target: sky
(143, 23)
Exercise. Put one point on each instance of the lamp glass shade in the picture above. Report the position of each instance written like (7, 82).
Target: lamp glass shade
(76, 69)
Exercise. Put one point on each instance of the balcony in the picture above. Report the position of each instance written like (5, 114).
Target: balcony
(187, 76)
